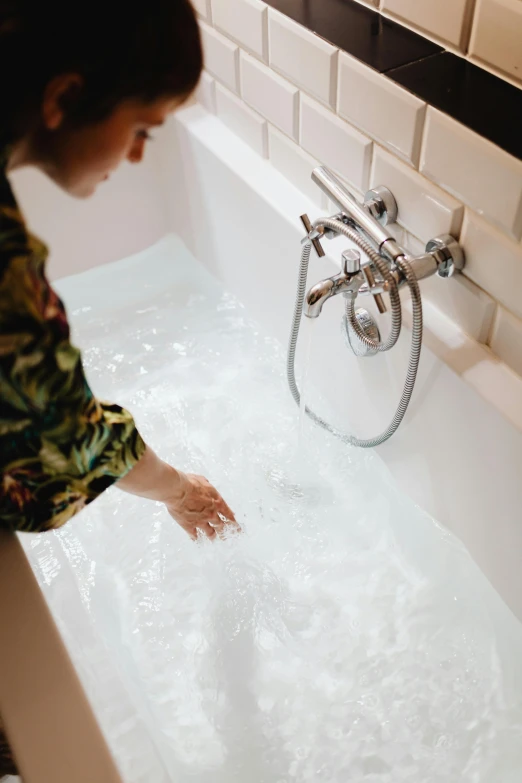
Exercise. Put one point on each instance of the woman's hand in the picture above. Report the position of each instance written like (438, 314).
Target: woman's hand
(198, 506)
(193, 502)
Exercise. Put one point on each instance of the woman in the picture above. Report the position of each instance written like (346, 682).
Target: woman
(81, 88)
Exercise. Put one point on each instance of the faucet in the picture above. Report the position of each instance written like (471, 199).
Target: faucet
(347, 282)
(370, 221)
(386, 268)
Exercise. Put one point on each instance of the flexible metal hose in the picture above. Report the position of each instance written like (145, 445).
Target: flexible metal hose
(416, 337)
(382, 266)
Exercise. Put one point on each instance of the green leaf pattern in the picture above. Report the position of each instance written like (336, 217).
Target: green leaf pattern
(60, 447)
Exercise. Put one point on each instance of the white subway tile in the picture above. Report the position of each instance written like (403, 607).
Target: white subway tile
(335, 143)
(206, 92)
(303, 57)
(424, 209)
(244, 20)
(245, 122)
(203, 9)
(407, 241)
(493, 261)
(221, 57)
(497, 35)
(506, 340)
(446, 19)
(381, 108)
(295, 164)
(271, 95)
(473, 169)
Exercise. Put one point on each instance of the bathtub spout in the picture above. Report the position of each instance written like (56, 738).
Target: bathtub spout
(343, 283)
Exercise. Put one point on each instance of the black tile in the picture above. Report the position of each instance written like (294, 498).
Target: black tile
(483, 102)
(363, 33)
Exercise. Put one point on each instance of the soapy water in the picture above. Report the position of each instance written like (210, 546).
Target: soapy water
(344, 636)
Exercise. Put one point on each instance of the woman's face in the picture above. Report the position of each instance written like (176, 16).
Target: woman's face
(84, 158)
(80, 159)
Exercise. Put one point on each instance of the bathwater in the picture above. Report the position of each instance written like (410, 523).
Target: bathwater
(343, 637)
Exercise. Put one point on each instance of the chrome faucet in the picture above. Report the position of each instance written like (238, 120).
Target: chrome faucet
(370, 221)
(347, 282)
(386, 268)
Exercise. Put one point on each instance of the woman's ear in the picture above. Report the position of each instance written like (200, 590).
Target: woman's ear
(59, 96)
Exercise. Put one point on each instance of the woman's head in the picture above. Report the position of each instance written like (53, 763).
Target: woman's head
(81, 84)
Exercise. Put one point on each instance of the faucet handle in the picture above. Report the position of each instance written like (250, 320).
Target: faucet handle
(372, 285)
(305, 220)
(351, 261)
(352, 265)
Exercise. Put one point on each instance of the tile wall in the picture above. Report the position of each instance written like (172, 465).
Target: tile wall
(488, 31)
(297, 100)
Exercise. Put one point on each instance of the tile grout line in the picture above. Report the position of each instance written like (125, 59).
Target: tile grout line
(419, 137)
(265, 37)
(467, 26)
(334, 80)
(239, 72)
(488, 338)
(423, 145)
(389, 71)
(297, 118)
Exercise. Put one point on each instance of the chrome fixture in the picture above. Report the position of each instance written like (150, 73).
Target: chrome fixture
(370, 328)
(348, 281)
(382, 269)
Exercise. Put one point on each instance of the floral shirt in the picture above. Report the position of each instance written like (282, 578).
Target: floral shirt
(60, 447)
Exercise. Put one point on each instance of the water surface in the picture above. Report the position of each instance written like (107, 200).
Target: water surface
(345, 636)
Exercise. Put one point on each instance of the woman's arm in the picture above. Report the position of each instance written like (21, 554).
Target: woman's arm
(194, 503)
(60, 447)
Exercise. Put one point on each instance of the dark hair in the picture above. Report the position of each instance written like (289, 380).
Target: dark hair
(120, 53)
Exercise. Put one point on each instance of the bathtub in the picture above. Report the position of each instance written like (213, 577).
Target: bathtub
(454, 460)
(458, 454)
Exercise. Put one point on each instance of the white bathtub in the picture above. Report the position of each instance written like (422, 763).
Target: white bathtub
(459, 452)
(457, 455)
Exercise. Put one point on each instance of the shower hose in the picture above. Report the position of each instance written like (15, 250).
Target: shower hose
(396, 322)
